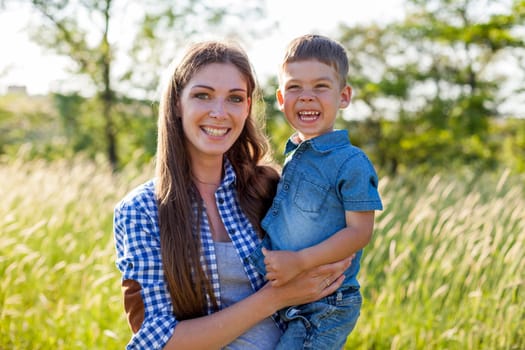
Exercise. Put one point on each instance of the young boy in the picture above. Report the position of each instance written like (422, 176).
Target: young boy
(324, 207)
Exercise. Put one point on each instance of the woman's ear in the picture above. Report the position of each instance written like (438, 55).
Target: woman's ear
(178, 110)
(249, 108)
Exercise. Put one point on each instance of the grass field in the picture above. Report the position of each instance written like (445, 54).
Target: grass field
(445, 269)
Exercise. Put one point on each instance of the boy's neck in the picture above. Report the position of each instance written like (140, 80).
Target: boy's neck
(299, 137)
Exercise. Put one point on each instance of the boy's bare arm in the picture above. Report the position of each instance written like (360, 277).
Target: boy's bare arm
(282, 266)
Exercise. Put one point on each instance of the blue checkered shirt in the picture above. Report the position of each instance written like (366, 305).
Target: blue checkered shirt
(137, 241)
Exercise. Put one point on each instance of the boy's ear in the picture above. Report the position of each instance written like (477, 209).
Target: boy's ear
(346, 96)
(280, 99)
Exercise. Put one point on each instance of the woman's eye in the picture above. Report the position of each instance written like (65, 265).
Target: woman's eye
(202, 96)
(236, 99)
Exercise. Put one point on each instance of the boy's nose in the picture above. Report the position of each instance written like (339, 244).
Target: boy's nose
(305, 97)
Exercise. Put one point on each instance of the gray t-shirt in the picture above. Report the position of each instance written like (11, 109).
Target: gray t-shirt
(235, 286)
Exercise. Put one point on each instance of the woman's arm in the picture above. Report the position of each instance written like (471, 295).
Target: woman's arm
(149, 306)
(221, 328)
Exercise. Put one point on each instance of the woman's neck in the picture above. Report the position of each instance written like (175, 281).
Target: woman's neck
(207, 174)
(207, 178)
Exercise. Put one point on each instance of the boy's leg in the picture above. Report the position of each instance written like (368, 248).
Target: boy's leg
(332, 328)
(296, 331)
(322, 325)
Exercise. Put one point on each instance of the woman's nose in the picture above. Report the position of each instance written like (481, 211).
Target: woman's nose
(217, 111)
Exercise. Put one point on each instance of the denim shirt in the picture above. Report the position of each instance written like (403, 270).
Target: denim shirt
(322, 178)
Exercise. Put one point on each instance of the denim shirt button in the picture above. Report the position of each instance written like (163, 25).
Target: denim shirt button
(286, 187)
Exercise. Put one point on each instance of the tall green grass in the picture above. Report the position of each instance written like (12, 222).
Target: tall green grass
(445, 269)
(59, 287)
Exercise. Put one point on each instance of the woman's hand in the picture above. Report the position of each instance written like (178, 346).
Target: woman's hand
(311, 285)
(236, 319)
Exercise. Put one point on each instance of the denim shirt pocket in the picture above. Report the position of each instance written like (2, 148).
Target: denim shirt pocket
(310, 196)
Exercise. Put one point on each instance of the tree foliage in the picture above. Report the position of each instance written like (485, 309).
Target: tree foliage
(87, 32)
(429, 91)
(431, 83)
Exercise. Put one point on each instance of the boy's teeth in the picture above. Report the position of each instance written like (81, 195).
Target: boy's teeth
(308, 115)
(215, 132)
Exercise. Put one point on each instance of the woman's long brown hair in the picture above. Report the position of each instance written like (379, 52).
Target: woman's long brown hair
(188, 283)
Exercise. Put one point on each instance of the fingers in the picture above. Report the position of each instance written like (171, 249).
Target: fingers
(331, 276)
(270, 276)
(329, 288)
(335, 269)
(275, 283)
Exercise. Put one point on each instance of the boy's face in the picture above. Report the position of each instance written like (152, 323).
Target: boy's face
(310, 95)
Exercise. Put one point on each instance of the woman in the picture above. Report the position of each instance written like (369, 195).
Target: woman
(182, 239)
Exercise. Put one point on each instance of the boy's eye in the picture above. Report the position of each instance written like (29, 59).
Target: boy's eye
(322, 86)
(293, 87)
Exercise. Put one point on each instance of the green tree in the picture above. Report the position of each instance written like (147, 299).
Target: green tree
(430, 84)
(86, 32)
(277, 127)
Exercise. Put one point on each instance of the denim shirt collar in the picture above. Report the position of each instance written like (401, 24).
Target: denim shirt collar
(321, 143)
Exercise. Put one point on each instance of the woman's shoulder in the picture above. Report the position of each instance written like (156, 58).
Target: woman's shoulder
(142, 196)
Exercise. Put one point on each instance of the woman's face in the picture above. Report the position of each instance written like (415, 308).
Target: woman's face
(214, 105)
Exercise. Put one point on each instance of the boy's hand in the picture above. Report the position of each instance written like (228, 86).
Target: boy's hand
(281, 266)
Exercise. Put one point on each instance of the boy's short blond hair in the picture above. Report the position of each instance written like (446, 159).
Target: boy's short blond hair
(321, 48)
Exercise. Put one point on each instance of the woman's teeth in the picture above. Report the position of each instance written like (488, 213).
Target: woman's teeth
(215, 131)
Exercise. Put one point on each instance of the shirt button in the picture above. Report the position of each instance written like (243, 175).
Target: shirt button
(221, 201)
(286, 187)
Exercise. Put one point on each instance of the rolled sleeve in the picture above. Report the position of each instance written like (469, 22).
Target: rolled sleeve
(359, 184)
(137, 242)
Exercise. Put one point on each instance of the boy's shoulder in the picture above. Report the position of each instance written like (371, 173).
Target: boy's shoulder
(336, 141)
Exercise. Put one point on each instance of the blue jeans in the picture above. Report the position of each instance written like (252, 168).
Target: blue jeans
(324, 324)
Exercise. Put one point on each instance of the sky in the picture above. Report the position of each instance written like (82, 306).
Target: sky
(24, 63)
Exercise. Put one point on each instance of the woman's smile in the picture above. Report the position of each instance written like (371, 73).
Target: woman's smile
(214, 131)
(214, 106)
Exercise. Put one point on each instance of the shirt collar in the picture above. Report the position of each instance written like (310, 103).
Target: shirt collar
(229, 174)
(322, 143)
